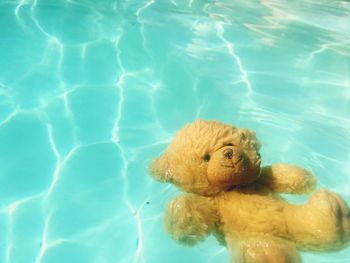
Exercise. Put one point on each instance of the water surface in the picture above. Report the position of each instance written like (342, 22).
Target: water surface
(91, 91)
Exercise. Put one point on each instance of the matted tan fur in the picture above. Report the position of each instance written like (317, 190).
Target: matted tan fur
(232, 197)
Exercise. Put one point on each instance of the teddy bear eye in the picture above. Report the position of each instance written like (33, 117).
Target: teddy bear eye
(229, 144)
(206, 157)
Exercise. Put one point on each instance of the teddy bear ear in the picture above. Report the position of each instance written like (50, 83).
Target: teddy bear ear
(250, 137)
(160, 170)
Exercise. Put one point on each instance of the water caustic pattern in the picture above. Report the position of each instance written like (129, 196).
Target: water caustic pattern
(91, 91)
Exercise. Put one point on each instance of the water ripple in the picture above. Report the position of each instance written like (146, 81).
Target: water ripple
(91, 91)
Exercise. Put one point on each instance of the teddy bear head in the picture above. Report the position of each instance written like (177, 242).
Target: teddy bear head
(207, 157)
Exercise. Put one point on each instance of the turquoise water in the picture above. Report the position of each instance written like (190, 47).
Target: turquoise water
(91, 91)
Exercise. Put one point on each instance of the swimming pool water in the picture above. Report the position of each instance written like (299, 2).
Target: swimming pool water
(91, 91)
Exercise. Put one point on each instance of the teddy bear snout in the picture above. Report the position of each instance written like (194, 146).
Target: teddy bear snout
(228, 153)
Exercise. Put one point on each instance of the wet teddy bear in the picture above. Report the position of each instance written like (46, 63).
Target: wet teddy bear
(231, 196)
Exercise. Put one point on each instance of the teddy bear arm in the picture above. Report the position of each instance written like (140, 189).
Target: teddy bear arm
(287, 178)
(190, 218)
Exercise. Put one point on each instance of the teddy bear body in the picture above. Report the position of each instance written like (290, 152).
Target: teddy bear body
(305, 225)
(235, 213)
(231, 196)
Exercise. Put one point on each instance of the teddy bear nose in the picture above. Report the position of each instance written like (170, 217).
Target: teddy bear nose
(228, 153)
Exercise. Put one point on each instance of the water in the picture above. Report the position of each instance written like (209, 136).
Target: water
(91, 91)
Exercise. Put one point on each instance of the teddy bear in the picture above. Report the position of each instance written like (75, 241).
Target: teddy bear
(228, 194)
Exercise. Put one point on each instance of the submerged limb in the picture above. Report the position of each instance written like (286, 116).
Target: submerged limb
(190, 218)
(255, 248)
(323, 223)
